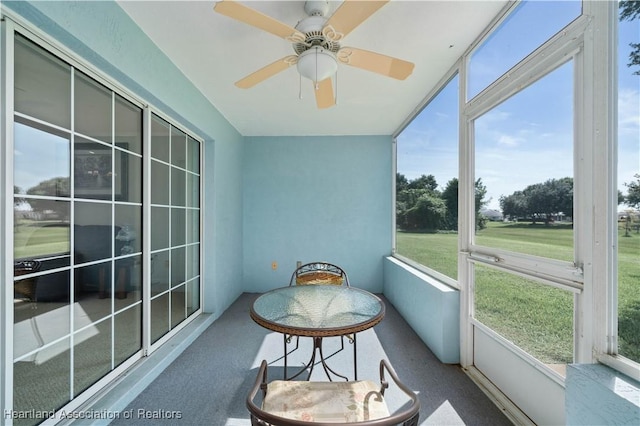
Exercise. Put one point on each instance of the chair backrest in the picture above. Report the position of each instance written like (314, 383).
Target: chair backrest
(319, 273)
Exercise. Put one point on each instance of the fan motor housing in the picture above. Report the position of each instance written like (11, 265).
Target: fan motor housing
(312, 27)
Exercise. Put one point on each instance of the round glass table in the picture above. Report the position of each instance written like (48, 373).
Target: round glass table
(318, 311)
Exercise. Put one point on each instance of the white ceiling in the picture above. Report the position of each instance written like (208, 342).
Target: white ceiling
(215, 51)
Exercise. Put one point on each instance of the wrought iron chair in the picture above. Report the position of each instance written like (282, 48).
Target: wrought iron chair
(357, 403)
(318, 273)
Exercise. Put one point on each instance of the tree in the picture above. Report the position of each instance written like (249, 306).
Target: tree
(424, 182)
(450, 197)
(406, 200)
(419, 205)
(633, 192)
(480, 192)
(58, 186)
(410, 202)
(514, 205)
(427, 213)
(550, 198)
(401, 182)
(540, 200)
(630, 10)
(17, 200)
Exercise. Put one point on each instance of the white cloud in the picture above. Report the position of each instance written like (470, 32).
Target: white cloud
(628, 111)
(496, 115)
(510, 141)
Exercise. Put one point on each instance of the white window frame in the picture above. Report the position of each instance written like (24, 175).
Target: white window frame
(453, 72)
(601, 93)
(590, 42)
(150, 347)
(6, 211)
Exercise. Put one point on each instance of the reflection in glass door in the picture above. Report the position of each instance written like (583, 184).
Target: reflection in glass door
(77, 226)
(175, 227)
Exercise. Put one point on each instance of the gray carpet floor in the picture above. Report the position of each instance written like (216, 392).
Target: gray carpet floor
(208, 383)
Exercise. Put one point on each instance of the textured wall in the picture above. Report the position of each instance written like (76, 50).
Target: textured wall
(431, 309)
(316, 198)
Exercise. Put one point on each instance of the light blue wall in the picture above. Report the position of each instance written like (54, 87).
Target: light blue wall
(432, 309)
(104, 35)
(316, 198)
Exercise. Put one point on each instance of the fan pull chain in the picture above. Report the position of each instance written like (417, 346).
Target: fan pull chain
(336, 90)
(316, 80)
(300, 86)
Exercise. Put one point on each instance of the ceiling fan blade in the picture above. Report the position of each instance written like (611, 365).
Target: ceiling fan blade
(250, 16)
(352, 13)
(266, 72)
(324, 93)
(376, 62)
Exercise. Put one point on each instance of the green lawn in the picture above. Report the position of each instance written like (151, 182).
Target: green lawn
(38, 239)
(536, 317)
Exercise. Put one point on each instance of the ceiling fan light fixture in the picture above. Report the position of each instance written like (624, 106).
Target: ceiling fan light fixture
(317, 64)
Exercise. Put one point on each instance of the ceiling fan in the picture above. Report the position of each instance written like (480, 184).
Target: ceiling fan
(316, 42)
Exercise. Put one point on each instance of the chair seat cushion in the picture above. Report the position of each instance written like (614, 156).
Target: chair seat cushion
(329, 402)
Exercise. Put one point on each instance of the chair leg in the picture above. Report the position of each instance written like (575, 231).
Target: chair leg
(413, 421)
(287, 339)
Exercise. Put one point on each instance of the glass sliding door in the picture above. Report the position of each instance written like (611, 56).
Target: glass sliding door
(175, 227)
(95, 250)
(77, 227)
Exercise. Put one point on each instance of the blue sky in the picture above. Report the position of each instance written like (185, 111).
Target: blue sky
(528, 138)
